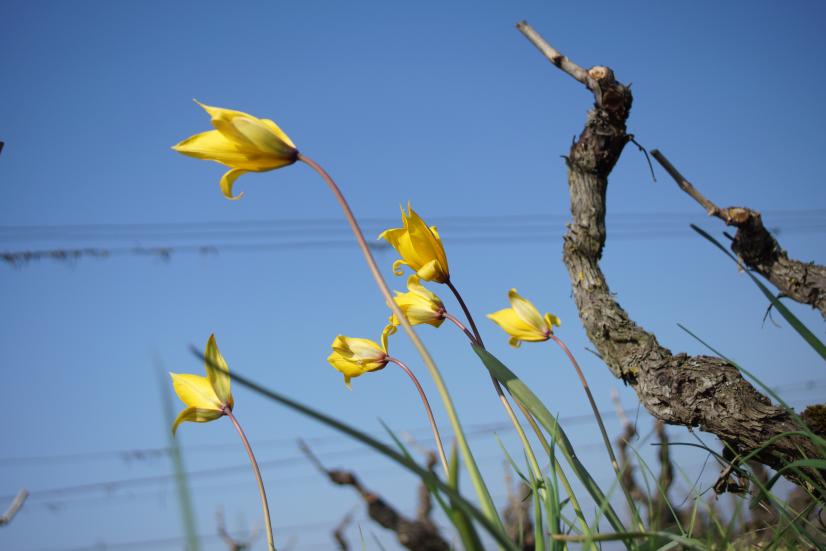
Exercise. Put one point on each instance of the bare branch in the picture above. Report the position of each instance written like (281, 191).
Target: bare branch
(693, 391)
(15, 506)
(338, 533)
(555, 57)
(235, 544)
(759, 250)
(418, 535)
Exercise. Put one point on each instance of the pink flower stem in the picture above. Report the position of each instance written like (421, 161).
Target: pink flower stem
(429, 412)
(605, 438)
(479, 485)
(461, 326)
(264, 505)
(465, 309)
(476, 339)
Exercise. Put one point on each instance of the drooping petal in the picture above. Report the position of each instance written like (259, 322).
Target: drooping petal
(515, 326)
(397, 267)
(527, 311)
(195, 391)
(218, 372)
(552, 320)
(195, 415)
(228, 180)
(388, 330)
(399, 239)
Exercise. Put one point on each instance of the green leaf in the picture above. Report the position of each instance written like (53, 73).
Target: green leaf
(426, 476)
(464, 526)
(798, 326)
(799, 464)
(522, 393)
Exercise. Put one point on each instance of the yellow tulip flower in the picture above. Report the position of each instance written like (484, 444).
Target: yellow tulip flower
(419, 247)
(242, 142)
(354, 357)
(419, 304)
(523, 322)
(207, 398)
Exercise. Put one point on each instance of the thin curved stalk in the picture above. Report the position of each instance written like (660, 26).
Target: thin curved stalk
(473, 470)
(605, 439)
(429, 412)
(263, 493)
(529, 451)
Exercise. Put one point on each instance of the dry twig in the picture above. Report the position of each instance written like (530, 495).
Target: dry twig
(758, 249)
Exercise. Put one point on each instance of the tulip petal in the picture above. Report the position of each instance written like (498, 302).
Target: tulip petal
(552, 320)
(213, 146)
(228, 180)
(195, 391)
(389, 329)
(263, 138)
(222, 121)
(195, 415)
(516, 327)
(397, 267)
(278, 132)
(218, 372)
(431, 271)
(527, 311)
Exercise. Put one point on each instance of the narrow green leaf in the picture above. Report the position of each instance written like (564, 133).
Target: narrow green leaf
(516, 387)
(426, 476)
(799, 464)
(464, 526)
(798, 325)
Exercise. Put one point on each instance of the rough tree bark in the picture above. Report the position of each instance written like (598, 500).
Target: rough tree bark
(694, 391)
(804, 282)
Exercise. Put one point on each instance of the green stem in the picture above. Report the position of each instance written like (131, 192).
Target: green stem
(429, 412)
(605, 439)
(473, 470)
(264, 505)
(502, 398)
(514, 420)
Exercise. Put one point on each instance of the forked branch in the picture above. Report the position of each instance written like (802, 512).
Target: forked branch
(804, 282)
(694, 391)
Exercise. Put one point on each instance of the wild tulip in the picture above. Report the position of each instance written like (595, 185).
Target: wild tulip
(420, 248)
(419, 304)
(207, 398)
(354, 357)
(523, 322)
(242, 142)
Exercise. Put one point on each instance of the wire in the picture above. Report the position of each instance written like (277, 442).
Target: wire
(494, 237)
(143, 454)
(113, 485)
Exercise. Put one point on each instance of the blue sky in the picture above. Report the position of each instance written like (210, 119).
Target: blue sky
(446, 106)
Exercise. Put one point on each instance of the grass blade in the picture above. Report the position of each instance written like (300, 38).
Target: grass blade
(798, 325)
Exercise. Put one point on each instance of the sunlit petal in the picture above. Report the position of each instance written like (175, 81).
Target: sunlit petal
(195, 391)
(218, 372)
(195, 415)
(228, 180)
